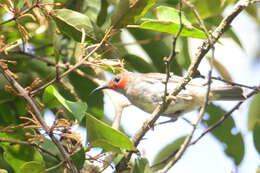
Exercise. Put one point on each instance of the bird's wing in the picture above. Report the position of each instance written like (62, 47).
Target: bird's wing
(174, 78)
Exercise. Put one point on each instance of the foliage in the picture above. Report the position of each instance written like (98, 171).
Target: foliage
(59, 50)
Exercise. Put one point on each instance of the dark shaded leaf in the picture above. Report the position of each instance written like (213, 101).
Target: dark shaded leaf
(72, 22)
(79, 158)
(166, 151)
(102, 13)
(17, 155)
(83, 87)
(49, 160)
(157, 50)
(104, 136)
(130, 11)
(234, 144)
(256, 137)
(137, 63)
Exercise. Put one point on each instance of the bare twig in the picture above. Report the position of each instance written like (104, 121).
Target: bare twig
(207, 44)
(24, 93)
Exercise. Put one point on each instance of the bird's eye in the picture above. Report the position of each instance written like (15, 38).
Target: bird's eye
(116, 79)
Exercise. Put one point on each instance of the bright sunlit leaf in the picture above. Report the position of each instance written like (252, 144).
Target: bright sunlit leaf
(52, 98)
(103, 136)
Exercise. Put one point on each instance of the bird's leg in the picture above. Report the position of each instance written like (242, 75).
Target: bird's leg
(174, 116)
(187, 121)
(165, 122)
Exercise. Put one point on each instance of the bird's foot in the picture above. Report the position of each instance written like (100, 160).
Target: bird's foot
(171, 98)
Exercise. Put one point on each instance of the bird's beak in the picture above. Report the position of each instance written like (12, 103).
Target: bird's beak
(99, 88)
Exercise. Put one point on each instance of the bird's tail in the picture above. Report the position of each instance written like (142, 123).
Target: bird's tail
(227, 93)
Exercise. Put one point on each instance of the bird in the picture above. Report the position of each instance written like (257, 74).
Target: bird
(146, 91)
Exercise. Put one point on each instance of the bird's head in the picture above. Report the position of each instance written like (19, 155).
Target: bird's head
(117, 83)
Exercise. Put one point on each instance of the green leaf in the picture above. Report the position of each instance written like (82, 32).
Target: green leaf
(93, 7)
(52, 98)
(49, 160)
(104, 136)
(33, 167)
(207, 8)
(79, 158)
(253, 11)
(72, 22)
(221, 69)
(137, 63)
(234, 144)
(230, 33)
(166, 151)
(130, 11)
(101, 18)
(141, 165)
(83, 88)
(254, 112)
(169, 14)
(168, 20)
(183, 58)
(256, 137)
(156, 50)
(17, 155)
